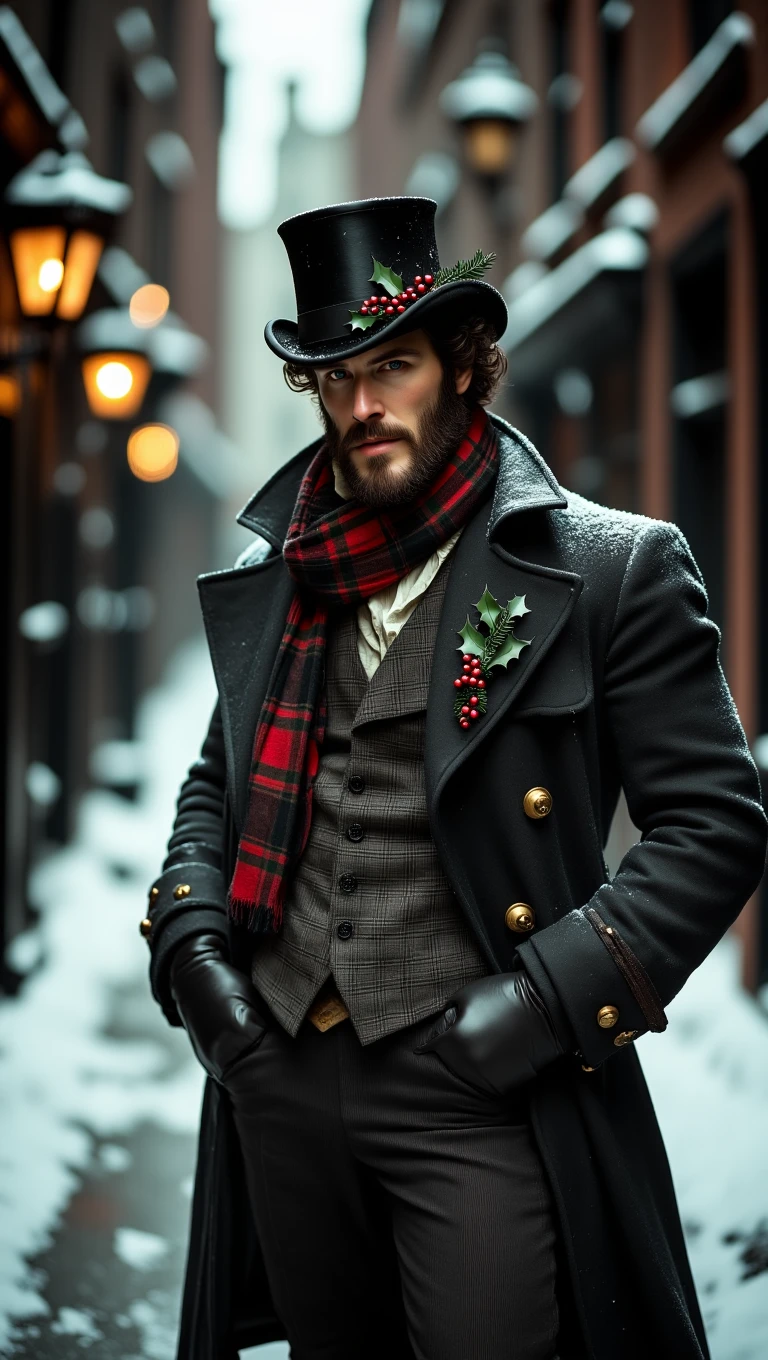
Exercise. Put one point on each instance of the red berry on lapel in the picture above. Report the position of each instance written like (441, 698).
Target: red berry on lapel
(389, 310)
(465, 709)
(374, 311)
(428, 278)
(467, 658)
(457, 684)
(464, 722)
(401, 308)
(465, 679)
(417, 279)
(474, 713)
(421, 288)
(363, 310)
(481, 684)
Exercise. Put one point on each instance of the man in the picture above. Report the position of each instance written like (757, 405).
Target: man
(385, 918)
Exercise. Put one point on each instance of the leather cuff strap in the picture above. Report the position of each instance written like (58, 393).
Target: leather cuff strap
(632, 971)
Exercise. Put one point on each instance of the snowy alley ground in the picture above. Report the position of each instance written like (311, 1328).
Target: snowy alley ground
(100, 1099)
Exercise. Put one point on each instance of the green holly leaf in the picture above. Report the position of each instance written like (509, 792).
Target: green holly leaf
(472, 642)
(517, 607)
(509, 651)
(488, 608)
(358, 322)
(386, 277)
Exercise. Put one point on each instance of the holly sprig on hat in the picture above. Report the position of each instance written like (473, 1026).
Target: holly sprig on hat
(398, 297)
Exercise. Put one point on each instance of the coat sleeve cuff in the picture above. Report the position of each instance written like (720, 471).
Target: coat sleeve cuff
(576, 976)
(187, 899)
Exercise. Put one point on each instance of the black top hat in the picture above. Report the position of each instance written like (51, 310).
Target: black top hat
(345, 255)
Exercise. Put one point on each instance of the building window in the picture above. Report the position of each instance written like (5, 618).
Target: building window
(614, 17)
(560, 95)
(699, 403)
(704, 16)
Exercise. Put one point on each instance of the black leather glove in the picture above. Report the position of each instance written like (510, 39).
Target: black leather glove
(496, 1033)
(216, 1002)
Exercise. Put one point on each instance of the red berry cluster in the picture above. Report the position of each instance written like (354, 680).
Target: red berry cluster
(471, 679)
(387, 306)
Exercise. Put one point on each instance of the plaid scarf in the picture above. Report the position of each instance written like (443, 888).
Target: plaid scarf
(336, 558)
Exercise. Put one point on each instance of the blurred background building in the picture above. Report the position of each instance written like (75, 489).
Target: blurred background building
(615, 158)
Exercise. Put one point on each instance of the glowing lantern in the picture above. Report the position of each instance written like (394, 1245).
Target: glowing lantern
(490, 104)
(153, 452)
(115, 383)
(149, 304)
(59, 213)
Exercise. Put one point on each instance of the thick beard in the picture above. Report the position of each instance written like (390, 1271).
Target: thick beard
(441, 430)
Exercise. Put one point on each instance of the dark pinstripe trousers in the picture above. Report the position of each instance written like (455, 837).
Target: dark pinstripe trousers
(402, 1213)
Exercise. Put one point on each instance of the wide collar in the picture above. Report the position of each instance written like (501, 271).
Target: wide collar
(524, 483)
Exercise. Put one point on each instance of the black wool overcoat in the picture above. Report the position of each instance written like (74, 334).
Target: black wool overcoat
(620, 688)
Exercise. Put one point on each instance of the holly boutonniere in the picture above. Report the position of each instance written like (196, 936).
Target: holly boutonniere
(482, 651)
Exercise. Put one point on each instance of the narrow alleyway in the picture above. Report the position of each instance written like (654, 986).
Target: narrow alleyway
(101, 1098)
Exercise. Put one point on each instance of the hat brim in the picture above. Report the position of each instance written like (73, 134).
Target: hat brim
(442, 306)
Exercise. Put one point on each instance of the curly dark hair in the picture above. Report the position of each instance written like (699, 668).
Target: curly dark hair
(471, 345)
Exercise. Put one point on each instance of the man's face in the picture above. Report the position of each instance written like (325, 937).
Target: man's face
(392, 417)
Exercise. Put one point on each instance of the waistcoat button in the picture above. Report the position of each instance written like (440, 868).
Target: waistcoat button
(355, 832)
(356, 783)
(348, 883)
(345, 930)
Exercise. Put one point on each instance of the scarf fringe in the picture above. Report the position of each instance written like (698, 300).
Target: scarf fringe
(258, 920)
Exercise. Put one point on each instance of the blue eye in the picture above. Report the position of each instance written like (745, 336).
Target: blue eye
(395, 364)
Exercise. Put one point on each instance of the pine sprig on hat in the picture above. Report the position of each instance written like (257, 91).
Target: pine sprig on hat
(465, 270)
(398, 297)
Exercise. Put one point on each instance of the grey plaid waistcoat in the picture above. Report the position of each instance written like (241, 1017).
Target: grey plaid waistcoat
(370, 904)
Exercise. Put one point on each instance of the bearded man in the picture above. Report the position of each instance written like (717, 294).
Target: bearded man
(385, 918)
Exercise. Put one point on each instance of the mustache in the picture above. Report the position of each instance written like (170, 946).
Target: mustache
(373, 430)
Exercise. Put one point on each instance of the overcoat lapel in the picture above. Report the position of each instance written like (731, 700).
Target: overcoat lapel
(244, 611)
(550, 596)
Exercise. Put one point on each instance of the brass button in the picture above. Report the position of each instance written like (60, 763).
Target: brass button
(181, 890)
(627, 1036)
(537, 803)
(154, 893)
(520, 918)
(145, 926)
(584, 1068)
(607, 1016)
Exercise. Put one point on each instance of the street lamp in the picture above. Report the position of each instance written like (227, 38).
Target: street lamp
(115, 363)
(490, 104)
(58, 216)
(153, 452)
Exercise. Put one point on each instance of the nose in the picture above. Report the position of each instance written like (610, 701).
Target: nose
(367, 405)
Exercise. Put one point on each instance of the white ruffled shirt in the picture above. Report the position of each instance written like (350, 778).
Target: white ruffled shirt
(380, 618)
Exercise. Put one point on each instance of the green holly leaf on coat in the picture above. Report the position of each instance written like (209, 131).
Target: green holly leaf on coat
(517, 607)
(509, 650)
(472, 642)
(488, 608)
(358, 322)
(386, 277)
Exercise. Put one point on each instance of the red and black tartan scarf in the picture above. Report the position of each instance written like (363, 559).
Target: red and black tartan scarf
(336, 558)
